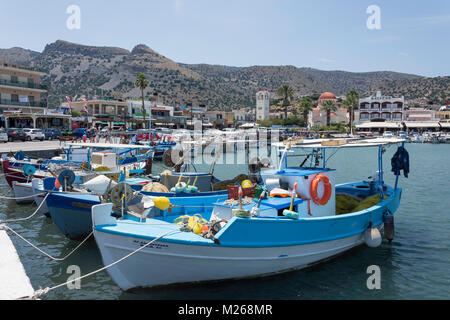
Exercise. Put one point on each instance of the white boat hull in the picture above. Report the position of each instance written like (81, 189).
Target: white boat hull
(163, 263)
(23, 193)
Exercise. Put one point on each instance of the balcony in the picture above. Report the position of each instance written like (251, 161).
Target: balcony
(27, 85)
(39, 104)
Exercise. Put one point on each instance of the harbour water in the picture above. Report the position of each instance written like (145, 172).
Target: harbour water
(413, 266)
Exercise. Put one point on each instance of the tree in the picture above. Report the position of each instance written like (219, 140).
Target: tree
(142, 83)
(329, 106)
(285, 92)
(76, 113)
(351, 103)
(306, 105)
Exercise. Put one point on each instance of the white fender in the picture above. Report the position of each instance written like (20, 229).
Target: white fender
(35, 184)
(372, 237)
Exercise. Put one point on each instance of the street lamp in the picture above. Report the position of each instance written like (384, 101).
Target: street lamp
(189, 104)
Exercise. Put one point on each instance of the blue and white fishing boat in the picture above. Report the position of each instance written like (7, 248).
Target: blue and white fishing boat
(276, 236)
(110, 158)
(71, 211)
(81, 157)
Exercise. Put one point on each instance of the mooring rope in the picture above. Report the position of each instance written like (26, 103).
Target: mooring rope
(40, 292)
(7, 228)
(29, 217)
(24, 197)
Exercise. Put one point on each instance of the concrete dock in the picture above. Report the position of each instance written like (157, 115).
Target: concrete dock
(14, 282)
(33, 148)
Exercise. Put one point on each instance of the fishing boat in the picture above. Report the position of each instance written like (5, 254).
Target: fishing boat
(112, 157)
(71, 211)
(266, 237)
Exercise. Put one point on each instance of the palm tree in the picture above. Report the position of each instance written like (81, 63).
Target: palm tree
(306, 105)
(285, 92)
(329, 106)
(351, 103)
(142, 83)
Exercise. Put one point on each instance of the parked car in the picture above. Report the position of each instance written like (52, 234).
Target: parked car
(80, 132)
(16, 134)
(34, 134)
(51, 134)
(366, 134)
(388, 134)
(3, 136)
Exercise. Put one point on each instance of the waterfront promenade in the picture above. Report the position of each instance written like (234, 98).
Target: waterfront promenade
(30, 146)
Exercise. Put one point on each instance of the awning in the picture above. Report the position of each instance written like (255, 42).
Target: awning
(420, 124)
(444, 124)
(370, 125)
(248, 125)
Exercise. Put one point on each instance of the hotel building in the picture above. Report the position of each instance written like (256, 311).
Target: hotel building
(382, 108)
(21, 103)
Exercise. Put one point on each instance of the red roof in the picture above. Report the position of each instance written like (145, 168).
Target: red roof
(327, 96)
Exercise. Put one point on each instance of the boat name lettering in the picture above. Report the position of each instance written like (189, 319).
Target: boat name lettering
(82, 205)
(153, 245)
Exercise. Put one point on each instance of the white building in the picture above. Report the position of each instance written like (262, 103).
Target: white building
(378, 107)
(262, 105)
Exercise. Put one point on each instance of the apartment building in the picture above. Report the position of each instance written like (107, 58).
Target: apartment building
(21, 99)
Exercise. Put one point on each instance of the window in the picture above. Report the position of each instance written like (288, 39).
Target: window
(14, 98)
(14, 79)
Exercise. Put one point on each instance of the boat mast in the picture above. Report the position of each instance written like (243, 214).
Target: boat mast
(380, 171)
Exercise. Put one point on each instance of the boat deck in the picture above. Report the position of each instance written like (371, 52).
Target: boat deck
(153, 228)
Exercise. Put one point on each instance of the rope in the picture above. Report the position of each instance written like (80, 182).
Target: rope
(29, 217)
(40, 292)
(9, 191)
(5, 227)
(18, 198)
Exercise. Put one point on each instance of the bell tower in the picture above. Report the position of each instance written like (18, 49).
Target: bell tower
(262, 105)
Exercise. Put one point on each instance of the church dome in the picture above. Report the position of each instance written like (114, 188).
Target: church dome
(327, 96)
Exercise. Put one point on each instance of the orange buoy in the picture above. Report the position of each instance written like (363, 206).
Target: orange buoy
(327, 190)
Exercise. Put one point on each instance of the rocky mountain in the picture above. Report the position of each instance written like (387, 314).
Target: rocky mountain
(75, 69)
(18, 55)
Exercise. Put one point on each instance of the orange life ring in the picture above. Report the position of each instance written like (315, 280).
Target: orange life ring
(327, 190)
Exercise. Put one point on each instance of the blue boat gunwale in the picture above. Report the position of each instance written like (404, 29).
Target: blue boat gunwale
(394, 198)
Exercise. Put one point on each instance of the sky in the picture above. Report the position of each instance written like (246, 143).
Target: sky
(409, 36)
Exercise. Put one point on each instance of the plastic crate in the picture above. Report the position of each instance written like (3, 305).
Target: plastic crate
(233, 192)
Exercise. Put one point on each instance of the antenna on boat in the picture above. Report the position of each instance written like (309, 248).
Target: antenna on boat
(283, 157)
